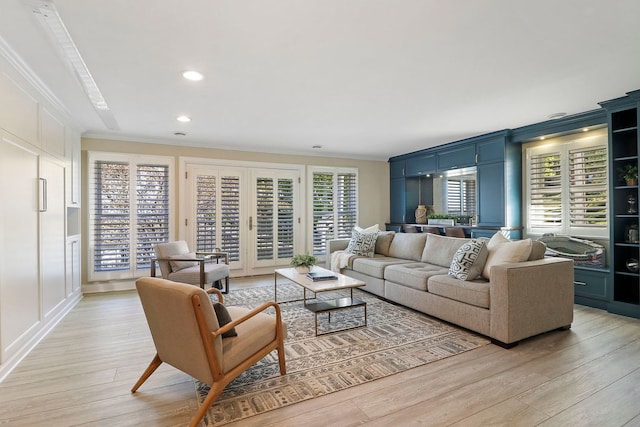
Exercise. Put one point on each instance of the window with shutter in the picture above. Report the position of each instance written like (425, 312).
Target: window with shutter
(334, 205)
(129, 212)
(567, 182)
(461, 195)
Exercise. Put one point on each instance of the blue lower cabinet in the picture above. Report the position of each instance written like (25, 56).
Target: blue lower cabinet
(590, 287)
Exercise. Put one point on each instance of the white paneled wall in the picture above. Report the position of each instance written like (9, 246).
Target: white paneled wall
(39, 218)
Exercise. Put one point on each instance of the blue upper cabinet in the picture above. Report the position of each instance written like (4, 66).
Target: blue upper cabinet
(422, 165)
(490, 151)
(491, 194)
(456, 158)
(397, 169)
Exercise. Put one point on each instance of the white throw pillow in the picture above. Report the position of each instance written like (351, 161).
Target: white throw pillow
(373, 229)
(179, 265)
(363, 244)
(503, 250)
(468, 260)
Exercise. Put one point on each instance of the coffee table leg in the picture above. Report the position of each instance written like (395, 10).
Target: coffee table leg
(275, 287)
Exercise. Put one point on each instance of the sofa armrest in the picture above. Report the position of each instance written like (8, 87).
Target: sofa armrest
(529, 298)
(336, 245)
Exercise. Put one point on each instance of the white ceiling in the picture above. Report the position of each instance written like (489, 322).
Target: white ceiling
(362, 78)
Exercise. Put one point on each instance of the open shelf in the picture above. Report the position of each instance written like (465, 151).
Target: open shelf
(625, 216)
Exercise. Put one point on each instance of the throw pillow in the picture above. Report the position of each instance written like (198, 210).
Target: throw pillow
(223, 318)
(468, 260)
(383, 243)
(179, 265)
(363, 244)
(373, 229)
(503, 250)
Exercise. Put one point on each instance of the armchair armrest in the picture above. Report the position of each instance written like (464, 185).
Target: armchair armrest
(249, 315)
(154, 260)
(215, 255)
(529, 298)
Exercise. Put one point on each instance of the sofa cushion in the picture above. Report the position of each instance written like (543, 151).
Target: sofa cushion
(408, 246)
(503, 250)
(468, 261)
(361, 243)
(413, 275)
(375, 266)
(383, 243)
(439, 250)
(474, 292)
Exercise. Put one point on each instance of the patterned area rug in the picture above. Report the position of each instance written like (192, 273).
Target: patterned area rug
(394, 340)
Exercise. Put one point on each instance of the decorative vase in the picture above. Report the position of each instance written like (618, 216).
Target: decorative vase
(421, 214)
(303, 269)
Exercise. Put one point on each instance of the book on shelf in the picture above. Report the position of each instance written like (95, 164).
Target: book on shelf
(315, 276)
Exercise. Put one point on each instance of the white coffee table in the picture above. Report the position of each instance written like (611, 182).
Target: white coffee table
(325, 306)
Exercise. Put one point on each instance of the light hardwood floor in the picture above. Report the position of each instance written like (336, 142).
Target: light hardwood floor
(82, 372)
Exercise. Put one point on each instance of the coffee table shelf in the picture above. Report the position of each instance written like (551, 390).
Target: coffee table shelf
(329, 306)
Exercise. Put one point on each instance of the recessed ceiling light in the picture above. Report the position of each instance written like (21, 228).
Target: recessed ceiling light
(192, 75)
(557, 116)
(542, 138)
(183, 119)
(585, 129)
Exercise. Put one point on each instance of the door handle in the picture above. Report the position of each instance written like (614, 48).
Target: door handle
(250, 223)
(43, 194)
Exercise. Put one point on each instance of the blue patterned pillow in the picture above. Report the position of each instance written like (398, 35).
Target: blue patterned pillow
(468, 261)
(363, 244)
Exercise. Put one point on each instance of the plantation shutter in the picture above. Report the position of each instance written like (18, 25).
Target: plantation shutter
(335, 206)
(111, 219)
(545, 177)
(454, 196)
(152, 211)
(129, 212)
(264, 218)
(230, 216)
(461, 196)
(347, 202)
(206, 213)
(286, 218)
(588, 189)
(322, 210)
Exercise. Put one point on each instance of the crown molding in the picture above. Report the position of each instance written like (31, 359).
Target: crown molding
(22, 68)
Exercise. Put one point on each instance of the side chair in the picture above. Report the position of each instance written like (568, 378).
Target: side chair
(178, 264)
(187, 335)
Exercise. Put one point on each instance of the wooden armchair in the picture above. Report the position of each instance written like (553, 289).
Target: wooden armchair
(178, 264)
(187, 336)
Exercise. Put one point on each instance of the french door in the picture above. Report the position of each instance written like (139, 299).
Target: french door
(251, 213)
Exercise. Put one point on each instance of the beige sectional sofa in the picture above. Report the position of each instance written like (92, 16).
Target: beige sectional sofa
(516, 301)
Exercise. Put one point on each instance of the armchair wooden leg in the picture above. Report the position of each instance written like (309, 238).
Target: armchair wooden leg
(281, 360)
(147, 373)
(214, 393)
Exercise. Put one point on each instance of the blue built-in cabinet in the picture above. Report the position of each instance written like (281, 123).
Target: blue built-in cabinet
(495, 161)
